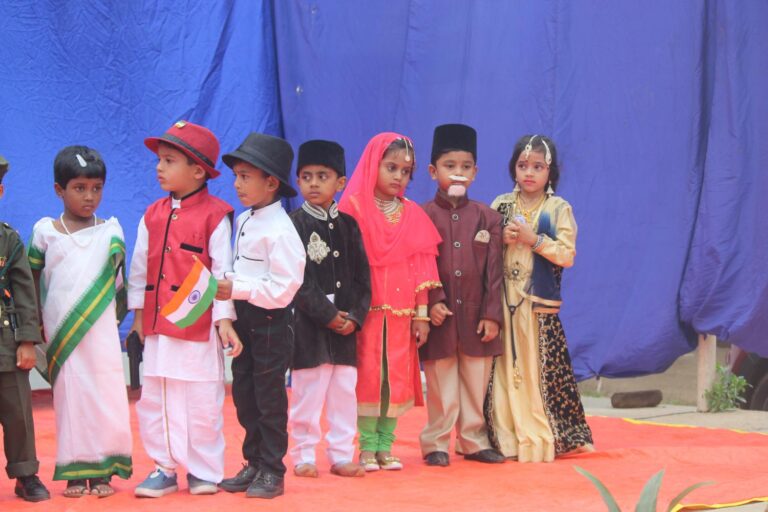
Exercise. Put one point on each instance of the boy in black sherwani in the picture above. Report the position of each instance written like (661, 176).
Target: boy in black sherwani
(330, 307)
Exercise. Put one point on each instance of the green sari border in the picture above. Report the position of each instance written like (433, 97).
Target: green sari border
(120, 465)
(86, 312)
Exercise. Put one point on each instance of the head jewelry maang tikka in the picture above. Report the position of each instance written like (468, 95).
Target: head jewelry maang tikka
(408, 149)
(529, 148)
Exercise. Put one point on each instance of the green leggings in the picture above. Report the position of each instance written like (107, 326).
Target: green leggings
(377, 433)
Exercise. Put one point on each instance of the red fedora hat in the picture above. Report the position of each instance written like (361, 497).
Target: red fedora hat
(197, 142)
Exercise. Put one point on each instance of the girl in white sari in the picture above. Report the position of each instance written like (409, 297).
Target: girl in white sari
(78, 260)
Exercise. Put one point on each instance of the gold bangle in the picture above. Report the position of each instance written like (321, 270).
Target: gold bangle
(421, 318)
(421, 310)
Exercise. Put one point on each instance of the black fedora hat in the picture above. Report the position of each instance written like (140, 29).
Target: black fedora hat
(272, 155)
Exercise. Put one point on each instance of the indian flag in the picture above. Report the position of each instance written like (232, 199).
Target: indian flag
(193, 298)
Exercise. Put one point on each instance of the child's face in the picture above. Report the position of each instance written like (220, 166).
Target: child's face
(532, 174)
(394, 175)
(319, 184)
(254, 187)
(81, 197)
(174, 172)
(454, 171)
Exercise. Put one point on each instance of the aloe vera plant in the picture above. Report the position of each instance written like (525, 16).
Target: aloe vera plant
(648, 497)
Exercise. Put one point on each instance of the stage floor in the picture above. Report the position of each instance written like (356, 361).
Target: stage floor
(628, 453)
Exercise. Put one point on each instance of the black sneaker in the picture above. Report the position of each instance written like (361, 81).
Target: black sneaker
(241, 480)
(30, 488)
(266, 486)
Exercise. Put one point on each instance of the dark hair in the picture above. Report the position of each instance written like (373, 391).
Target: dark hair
(78, 162)
(401, 145)
(537, 145)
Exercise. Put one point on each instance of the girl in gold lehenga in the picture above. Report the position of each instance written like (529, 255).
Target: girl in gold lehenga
(533, 406)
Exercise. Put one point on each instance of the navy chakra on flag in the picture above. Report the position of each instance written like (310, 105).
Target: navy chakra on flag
(194, 297)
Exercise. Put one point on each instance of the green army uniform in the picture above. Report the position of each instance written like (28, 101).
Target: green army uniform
(18, 322)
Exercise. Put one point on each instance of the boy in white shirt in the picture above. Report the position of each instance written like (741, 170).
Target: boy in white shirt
(268, 270)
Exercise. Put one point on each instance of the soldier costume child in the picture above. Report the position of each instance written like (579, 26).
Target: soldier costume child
(19, 332)
(267, 272)
(331, 306)
(466, 311)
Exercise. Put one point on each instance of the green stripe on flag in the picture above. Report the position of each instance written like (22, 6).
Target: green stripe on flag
(202, 305)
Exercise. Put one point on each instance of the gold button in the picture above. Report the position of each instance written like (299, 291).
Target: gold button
(174, 216)
(335, 254)
(6, 323)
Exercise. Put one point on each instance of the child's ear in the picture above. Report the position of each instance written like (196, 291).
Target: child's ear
(199, 172)
(341, 183)
(2, 190)
(433, 171)
(272, 183)
(59, 189)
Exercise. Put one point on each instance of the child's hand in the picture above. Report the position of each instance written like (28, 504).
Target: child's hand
(229, 338)
(138, 324)
(341, 324)
(438, 313)
(491, 329)
(224, 291)
(420, 331)
(525, 234)
(510, 233)
(25, 355)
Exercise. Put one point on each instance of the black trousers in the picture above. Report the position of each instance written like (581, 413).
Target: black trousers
(18, 429)
(258, 383)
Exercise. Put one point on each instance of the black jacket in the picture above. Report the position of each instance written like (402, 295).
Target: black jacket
(336, 264)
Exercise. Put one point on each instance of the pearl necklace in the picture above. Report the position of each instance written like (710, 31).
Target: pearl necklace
(74, 240)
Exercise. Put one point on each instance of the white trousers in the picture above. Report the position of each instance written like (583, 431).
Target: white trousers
(181, 424)
(334, 387)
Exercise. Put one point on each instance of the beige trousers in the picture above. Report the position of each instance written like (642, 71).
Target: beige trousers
(456, 389)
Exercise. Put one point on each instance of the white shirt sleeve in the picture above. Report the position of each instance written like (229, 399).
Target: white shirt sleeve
(220, 251)
(277, 287)
(137, 277)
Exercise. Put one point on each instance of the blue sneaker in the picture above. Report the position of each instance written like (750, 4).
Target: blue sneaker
(157, 484)
(200, 486)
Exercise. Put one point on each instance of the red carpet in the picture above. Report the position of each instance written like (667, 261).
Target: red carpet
(628, 454)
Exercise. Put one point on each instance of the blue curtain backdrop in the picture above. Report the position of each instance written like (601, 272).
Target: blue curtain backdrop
(658, 109)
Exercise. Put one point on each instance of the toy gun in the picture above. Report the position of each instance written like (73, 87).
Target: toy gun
(135, 349)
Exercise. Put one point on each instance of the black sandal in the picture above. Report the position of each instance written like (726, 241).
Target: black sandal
(100, 487)
(76, 489)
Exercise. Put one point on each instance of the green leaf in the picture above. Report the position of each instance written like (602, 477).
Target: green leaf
(685, 493)
(604, 492)
(650, 494)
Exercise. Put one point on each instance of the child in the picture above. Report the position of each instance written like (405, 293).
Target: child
(331, 306)
(466, 312)
(19, 333)
(401, 244)
(180, 411)
(77, 261)
(534, 410)
(268, 270)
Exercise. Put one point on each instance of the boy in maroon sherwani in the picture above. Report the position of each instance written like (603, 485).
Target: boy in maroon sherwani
(466, 311)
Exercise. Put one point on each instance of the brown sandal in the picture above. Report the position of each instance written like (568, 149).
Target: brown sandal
(76, 489)
(100, 487)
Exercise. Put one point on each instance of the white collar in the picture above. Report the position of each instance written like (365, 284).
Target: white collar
(267, 211)
(319, 213)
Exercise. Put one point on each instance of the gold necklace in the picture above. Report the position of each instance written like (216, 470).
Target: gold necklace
(529, 213)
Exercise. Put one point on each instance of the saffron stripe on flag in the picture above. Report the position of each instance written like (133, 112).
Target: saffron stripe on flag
(185, 289)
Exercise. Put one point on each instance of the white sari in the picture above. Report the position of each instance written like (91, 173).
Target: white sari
(81, 275)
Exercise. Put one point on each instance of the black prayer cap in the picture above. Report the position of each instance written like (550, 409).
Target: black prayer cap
(454, 137)
(322, 152)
